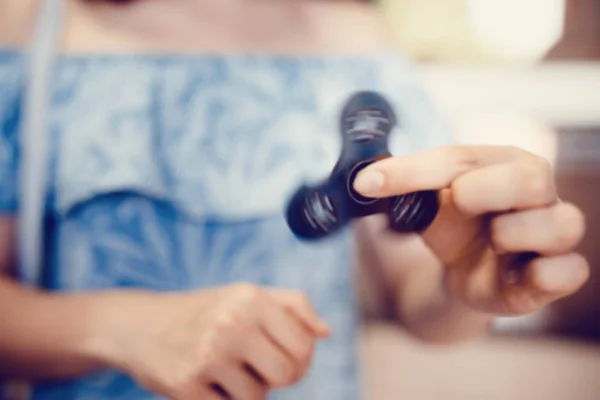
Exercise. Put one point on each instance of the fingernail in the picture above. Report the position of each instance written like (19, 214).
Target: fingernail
(321, 328)
(369, 182)
(326, 332)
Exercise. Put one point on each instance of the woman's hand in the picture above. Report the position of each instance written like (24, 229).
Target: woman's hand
(240, 339)
(507, 241)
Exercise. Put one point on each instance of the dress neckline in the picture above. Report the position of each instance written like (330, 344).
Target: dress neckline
(165, 57)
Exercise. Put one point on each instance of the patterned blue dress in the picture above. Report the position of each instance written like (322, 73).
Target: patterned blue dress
(172, 172)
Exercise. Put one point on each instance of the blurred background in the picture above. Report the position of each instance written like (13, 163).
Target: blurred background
(529, 71)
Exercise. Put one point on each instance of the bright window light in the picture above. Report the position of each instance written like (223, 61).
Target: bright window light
(523, 29)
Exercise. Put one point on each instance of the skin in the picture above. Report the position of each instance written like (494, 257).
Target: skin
(445, 286)
(497, 203)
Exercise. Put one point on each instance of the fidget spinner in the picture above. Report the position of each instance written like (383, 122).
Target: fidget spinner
(318, 211)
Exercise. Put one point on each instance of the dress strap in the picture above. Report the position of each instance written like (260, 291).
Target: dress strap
(34, 138)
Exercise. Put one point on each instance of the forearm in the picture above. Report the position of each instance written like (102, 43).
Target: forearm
(413, 277)
(48, 336)
(427, 311)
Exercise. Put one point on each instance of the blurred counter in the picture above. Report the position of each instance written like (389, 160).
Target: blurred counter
(492, 369)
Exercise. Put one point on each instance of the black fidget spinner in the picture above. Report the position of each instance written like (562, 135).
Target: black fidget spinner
(315, 212)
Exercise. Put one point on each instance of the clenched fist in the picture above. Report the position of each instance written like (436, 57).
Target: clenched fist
(236, 342)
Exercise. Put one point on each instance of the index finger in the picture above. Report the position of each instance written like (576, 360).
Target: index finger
(431, 170)
(300, 306)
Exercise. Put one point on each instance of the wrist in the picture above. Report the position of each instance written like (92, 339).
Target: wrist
(438, 316)
(470, 320)
(110, 327)
(450, 323)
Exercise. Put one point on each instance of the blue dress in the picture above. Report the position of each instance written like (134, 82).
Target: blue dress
(171, 173)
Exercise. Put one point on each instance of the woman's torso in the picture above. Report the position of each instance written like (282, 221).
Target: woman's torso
(171, 171)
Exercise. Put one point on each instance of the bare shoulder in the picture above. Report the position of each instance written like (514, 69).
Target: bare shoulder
(17, 18)
(350, 26)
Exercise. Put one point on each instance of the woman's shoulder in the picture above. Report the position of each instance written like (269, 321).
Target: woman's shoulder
(17, 19)
(16, 22)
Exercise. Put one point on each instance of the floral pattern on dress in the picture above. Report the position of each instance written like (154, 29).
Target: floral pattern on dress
(172, 173)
